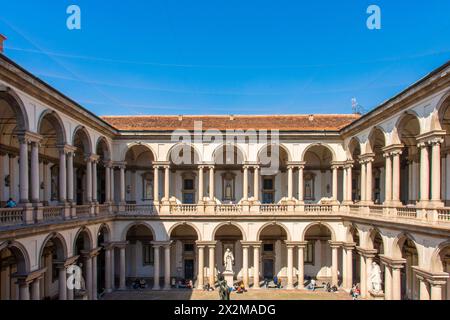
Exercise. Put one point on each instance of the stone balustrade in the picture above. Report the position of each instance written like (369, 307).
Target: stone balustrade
(11, 216)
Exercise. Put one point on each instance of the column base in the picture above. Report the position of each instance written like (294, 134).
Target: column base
(435, 204)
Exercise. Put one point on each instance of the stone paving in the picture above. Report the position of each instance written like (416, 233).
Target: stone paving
(263, 294)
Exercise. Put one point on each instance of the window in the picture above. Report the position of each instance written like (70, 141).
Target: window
(147, 185)
(188, 191)
(268, 195)
(268, 247)
(268, 184)
(309, 253)
(188, 184)
(147, 254)
(188, 247)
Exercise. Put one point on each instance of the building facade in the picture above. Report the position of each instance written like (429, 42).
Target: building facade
(163, 197)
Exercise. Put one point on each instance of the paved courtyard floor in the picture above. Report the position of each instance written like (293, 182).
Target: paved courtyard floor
(263, 294)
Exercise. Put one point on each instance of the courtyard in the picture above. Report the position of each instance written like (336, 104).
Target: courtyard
(269, 294)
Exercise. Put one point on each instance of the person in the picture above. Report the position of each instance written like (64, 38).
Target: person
(276, 282)
(224, 292)
(11, 203)
(355, 292)
(142, 284)
(312, 285)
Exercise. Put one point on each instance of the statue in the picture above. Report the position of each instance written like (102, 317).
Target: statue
(375, 278)
(224, 292)
(228, 260)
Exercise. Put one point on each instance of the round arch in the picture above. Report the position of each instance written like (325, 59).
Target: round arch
(350, 232)
(88, 233)
(107, 234)
(124, 152)
(436, 261)
(405, 117)
(280, 145)
(333, 153)
(353, 145)
(57, 124)
(20, 253)
(224, 145)
(319, 223)
(185, 223)
(135, 224)
(18, 107)
(398, 243)
(107, 150)
(61, 247)
(372, 139)
(272, 223)
(230, 223)
(85, 138)
(373, 232)
(182, 145)
(441, 106)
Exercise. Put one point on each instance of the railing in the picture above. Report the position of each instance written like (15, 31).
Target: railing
(406, 212)
(183, 208)
(140, 209)
(444, 214)
(52, 213)
(83, 210)
(272, 208)
(228, 208)
(11, 216)
(318, 208)
(103, 209)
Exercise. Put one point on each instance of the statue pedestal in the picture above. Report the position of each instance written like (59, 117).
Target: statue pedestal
(376, 295)
(229, 278)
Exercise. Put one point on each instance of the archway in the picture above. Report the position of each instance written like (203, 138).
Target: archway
(229, 236)
(406, 248)
(273, 258)
(318, 177)
(13, 121)
(184, 261)
(354, 153)
(103, 237)
(408, 129)
(440, 264)
(82, 164)
(103, 173)
(139, 175)
(273, 180)
(375, 144)
(13, 261)
(444, 119)
(140, 253)
(82, 249)
(53, 252)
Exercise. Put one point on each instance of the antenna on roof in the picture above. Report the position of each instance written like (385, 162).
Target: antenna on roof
(356, 107)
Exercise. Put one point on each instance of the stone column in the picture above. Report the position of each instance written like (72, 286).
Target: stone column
(363, 181)
(396, 283)
(5, 281)
(335, 182)
(290, 266)
(256, 183)
(107, 183)
(122, 184)
(369, 187)
(24, 290)
(62, 176)
(436, 289)
(155, 183)
(300, 183)
(88, 269)
(301, 265)
(35, 289)
(369, 260)
(211, 183)
(156, 267)
(423, 289)
(349, 266)
(334, 263)
(62, 279)
(35, 187)
(23, 171)
(108, 262)
(349, 183)
(396, 177)
(94, 276)
(363, 276)
(94, 180)
(88, 179)
(245, 265)
(167, 266)
(290, 183)
(200, 184)
(424, 173)
(11, 172)
(201, 266)
(436, 170)
(212, 264)
(70, 196)
(122, 281)
(387, 282)
(388, 179)
(112, 185)
(166, 183)
(245, 183)
(256, 266)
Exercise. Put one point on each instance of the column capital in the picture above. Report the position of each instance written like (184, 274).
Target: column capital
(68, 262)
(66, 148)
(28, 137)
(395, 263)
(161, 163)
(296, 243)
(431, 137)
(393, 149)
(120, 244)
(367, 157)
(335, 244)
(120, 164)
(348, 164)
(251, 243)
(434, 278)
(367, 253)
(90, 253)
(206, 243)
(157, 244)
(349, 245)
(296, 164)
(26, 278)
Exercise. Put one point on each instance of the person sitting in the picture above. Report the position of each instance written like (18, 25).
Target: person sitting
(142, 284)
(355, 292)
(11, 203)
(328, 287)
(311, 285)
(277, 282)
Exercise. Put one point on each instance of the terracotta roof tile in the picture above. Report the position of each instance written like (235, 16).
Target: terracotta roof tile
(321, 122)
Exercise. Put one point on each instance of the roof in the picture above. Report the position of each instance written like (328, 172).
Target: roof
(328, 122)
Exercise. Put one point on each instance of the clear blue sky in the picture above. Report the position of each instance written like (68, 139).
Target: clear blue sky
(227, 56)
